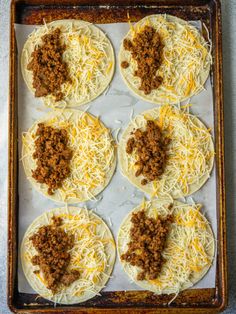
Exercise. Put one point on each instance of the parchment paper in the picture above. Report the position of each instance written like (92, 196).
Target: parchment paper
(115, 108)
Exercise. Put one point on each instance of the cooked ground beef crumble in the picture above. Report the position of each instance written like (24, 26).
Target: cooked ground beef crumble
(49, 70)
(53, 157)
(146, 49)
(147, 241)
(150, 148)
(52, 244)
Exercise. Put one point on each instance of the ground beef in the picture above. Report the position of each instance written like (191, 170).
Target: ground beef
(147, 241)
(53, 157)
(49, 70)
(124, 64)
(52, 244)
(130, 145)
(146, 49)
(150, 149)
(69, 277)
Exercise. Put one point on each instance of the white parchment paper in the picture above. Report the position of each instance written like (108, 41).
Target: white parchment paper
(115, 108)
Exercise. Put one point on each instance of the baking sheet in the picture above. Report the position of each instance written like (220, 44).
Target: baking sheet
(115, 107)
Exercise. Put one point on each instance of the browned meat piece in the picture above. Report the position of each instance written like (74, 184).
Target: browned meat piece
(146, 49)
(52, 244)
(130, 145)
(57, 221)
(124, 64)
(36, 272)
(150, 149)
(147, 241)
(69, 278)
(49, 70)
(53, 157)
(144, 181)
(127, 44)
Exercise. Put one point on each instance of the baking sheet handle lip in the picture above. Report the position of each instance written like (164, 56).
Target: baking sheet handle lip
(120, 3)
(125, 310)
(113, 2)
(224, 293)
(12, 170)
(222, 287)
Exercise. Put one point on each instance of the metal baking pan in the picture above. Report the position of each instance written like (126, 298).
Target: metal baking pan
(111, 11)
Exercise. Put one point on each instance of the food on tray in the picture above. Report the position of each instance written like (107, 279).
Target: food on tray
(147, 241)
(150, 148)
(146, 49)
(67, 62)
(69, 156)
(165, 247)
(67, 255)
(53, 256)
(164, 59)
(52, 156)
(50, 72)
(166, 151)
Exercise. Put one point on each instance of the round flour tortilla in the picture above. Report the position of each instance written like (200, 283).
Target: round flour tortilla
(83, 288)
(186, 60)
(93, 155)
(176, 181)
(89, 56)
(189, 250)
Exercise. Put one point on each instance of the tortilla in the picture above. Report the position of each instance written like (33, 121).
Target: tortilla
(190, 154)
(92, 279)
(93, 162)
(186, 60)
(89, 55)
(189, 249)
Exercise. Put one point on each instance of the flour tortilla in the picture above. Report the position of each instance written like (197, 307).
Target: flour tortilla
(65, 296)
(159, 208)
(80, 28)
(67, 116)
(175, 191)
(164, 94)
